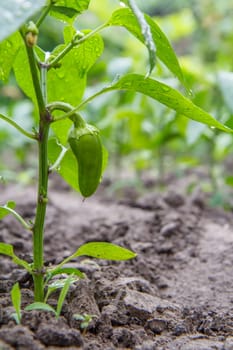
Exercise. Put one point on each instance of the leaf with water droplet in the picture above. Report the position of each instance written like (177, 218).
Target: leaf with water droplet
(69, 81)
(172, 98)
(145, 31)
(8, 51)
(164, 51)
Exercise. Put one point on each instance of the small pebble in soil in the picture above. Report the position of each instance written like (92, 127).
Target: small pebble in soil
(54, 335)
(156, 325)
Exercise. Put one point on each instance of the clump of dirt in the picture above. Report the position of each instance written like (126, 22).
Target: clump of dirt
(176, 294)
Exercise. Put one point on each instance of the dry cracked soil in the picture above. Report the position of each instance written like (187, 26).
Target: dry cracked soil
(176, 294)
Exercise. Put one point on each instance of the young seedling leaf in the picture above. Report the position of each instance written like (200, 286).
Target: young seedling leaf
(145, 31)
(104, 250)
(167, 96)
(4, 209)
(67, 10)
(6, 249)
(63, 294)
(58, 284)
(16, 301)
(22, 263)
(40, 306)
(14, 13)
(125, 18)
(68, 271)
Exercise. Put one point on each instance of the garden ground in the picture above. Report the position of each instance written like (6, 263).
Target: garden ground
(177, 293)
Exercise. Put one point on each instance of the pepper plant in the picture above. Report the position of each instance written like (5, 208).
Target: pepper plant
(55, 82)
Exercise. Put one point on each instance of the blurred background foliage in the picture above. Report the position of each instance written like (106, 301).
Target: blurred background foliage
(147, 142)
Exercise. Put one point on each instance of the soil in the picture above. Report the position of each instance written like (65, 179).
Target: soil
(176, 294)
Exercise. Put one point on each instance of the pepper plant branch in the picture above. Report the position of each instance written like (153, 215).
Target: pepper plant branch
(34, 74)
(44, 13)
(19, 128)
(43, 70)
(75, 43)
(61, 106)
(59, 159)
(18, 217)
(81, 105)
(65, 107)
(66, 260)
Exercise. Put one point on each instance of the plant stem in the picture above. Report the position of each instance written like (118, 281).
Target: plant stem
(18, 217)
(35, 79)
(77, 108)
(66, 107)
(44, 14)
(38, 228)
(59, 159)
(38, 232)
(74, 43)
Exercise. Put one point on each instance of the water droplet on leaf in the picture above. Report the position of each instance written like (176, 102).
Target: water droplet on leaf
(166, 88)
(61, 74)
(127, 84)
(122, 4)
(190, 93)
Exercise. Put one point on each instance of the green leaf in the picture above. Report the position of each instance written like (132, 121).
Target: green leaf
(68, 168)
(40, 306)
(124, 17)
(67, 10)
(61, 130)
(16, 301)
(59, 283)
(7, 249)
(22, 263)
(23, 74)
(104, 250)
(68, 82)
(8, 51)
(14, 13)
(68, 271)
(145, 31)
(63, 294)
(167, 96)
(3, 209)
